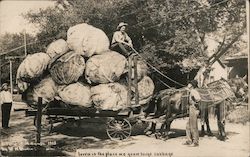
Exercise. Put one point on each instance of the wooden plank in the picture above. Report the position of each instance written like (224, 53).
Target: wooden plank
(84, 113)
(30, 113)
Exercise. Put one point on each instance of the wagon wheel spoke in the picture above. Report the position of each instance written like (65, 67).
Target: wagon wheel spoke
(112, 127)
(126, 129)
(125, 126)
(123, 123)
(111, 123)
(120, 135)
(126, 132)
(123, 134)
(118, 129)
(112, 130)
(112, 133)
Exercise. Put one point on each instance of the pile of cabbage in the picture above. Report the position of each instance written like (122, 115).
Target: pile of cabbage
(81, 71)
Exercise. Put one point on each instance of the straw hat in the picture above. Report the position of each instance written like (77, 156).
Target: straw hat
(3, 85)
(121, 24)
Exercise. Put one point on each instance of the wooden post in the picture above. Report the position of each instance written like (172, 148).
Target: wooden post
(129, 81)
(0, 73)
(136, 81)
(39, 119)
(11, 79)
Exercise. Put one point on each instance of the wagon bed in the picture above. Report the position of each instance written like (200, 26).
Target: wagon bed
(118, 126)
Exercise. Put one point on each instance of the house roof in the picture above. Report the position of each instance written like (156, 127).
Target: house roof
(238, 56)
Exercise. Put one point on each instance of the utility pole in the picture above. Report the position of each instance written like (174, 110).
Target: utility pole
(25, 43)
(11, 82)
(10, 58)
(248, 44)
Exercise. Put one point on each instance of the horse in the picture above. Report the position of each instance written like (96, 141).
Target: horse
(173, 103)
(167, 105)
(240, 87)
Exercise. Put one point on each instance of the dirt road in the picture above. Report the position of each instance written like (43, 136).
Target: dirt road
(90, 134)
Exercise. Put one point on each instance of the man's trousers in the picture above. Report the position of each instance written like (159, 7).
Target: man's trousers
(6, 108)
(192, 132)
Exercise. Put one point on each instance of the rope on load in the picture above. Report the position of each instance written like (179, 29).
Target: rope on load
(158, 71)
(163, 82)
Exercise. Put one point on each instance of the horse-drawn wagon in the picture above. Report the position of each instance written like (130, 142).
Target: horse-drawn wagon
(166, 105)
(170, 103)
(119, 123)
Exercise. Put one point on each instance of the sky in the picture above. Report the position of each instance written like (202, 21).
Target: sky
(11, 20)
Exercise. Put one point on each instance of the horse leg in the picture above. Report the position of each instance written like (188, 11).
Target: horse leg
(161, 133)
(209, 132)
(165, 127)
(202, 129)
(220, 122)
(168, 124)
(151, 130)
(202, 123)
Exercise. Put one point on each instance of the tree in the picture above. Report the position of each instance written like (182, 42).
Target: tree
(164, 31)
(13, 45)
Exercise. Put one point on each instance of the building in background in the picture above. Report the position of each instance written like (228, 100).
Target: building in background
(237, 64)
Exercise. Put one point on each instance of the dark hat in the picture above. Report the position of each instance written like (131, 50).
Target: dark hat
(194, 83)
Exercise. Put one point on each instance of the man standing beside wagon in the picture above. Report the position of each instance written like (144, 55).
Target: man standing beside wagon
(192, 132)
(6, 104)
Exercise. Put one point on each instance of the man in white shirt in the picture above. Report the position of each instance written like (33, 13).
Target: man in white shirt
(203, 75)
(121, 42)
(192, 132)
(6, 104)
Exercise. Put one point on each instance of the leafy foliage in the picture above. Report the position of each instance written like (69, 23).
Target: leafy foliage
(9, 44)
(164, 31)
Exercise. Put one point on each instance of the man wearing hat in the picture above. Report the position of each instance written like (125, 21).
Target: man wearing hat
(121, 42)
(6, 104)
(192, 124)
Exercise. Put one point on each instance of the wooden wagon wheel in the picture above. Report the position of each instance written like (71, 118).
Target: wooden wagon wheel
(118, 129)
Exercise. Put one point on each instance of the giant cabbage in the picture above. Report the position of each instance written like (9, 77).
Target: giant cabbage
(68, 68)
(57, 47)
(105, 68)
(111, 96)
(32, 67)
(46, 89)
(76, 94)
(87, 40)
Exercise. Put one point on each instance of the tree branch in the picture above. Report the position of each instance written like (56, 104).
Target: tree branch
(222, 52)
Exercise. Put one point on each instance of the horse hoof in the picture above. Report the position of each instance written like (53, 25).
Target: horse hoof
(158, 136)
(148, 133)
(222, 138)
(202, 134)
(210, 134)
(165, 138)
